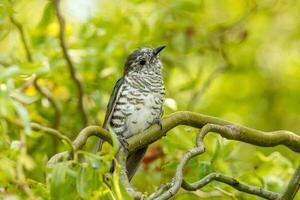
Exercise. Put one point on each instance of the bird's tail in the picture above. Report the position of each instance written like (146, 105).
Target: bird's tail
(133, 161)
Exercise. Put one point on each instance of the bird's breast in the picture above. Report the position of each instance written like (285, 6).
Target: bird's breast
(136, 110)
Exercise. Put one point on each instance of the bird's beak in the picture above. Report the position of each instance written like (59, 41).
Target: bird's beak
(158, 49)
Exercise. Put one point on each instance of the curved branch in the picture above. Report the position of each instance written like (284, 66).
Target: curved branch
(212, 77)
(46, 93)
(122, 159)
(153, 133)
(232, 182)
(235, 132)
(178, 180)
(23, 38)
(45, 129)
(70, 63)
(93, 130)
(81, 140)
(293, 186)
(207, 124)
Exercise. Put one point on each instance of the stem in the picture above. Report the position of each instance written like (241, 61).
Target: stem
(70, 63)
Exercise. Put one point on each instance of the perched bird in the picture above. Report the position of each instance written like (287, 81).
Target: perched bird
(137, 100)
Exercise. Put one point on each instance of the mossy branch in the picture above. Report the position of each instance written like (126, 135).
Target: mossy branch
(207, 124)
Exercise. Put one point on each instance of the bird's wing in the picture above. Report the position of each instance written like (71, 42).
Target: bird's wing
(112, 102)
(110, 108)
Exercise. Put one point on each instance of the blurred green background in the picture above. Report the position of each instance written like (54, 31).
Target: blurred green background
(234, 59)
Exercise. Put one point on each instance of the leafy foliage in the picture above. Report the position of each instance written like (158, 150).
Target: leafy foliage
(247, 50)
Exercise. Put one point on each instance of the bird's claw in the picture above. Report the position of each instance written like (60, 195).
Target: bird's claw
(158, 122)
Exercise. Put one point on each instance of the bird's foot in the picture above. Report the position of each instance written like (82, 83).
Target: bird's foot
(123, 142)
(158, 122)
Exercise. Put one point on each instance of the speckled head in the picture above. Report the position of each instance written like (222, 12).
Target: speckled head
(144, 60)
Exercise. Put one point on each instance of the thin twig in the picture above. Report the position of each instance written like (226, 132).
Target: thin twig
(81, 140)
(33, 79)
(46, 93)
(197, 94)
(38, 127)
(220, 34)
(23, 38)
(293, 186)
(70, 64)
(29, 82)
(232, 182)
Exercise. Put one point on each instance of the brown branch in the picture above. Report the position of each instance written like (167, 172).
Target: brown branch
(33, 79)
(27, 83)
(293, 187)
(70, 64)
(23, 38)
(46, 93)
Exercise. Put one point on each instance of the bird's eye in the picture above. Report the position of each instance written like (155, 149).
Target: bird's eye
(142, 62)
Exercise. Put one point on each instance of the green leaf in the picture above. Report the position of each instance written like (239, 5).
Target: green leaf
(34, 68)
(48, 16)
(8, 72)
(23, 98)
(87, 180)
(23, 114)
(205, 168)
(39, 189)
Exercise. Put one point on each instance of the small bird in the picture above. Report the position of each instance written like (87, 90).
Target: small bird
(137, 100)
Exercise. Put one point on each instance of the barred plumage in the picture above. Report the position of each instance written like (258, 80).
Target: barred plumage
(137, 99)
(137, 109)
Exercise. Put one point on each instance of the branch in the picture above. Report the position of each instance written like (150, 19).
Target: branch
(70, 63)
(198, 93)
(46, 93)
(153, 133)
(207, 124)
(293, 186)
(27, 83)
(122, 159)
(33, 79)
(81, 140)
(178, 182)
(49, 131)
(236, 132)
(23, 38)
(232, 182)
(220, 33)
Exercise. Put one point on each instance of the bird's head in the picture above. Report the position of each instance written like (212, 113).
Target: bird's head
(145, 59)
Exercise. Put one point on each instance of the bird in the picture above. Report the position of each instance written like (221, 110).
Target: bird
(137, 100)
